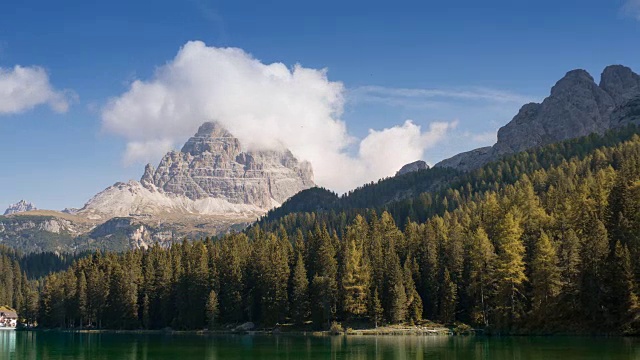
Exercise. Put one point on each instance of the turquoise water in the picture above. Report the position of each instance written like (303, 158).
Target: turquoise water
(68, 346)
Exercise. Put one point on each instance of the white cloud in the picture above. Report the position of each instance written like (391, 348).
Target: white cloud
(148, 149)
(431, 97)
(23, 88)
(265, 106)
(632, 8)
(390, 149)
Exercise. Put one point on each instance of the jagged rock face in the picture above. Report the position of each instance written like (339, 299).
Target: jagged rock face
(620, 83)
(411, 167)
(212, 164)
(211, 175)
(209, 187)
(576, 107)
(20, 206)
(469, 160)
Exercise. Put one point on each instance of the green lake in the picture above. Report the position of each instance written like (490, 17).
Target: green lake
(67, 346)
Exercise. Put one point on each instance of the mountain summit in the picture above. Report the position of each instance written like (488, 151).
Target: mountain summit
(20, 206)
(211, 175)
(576, 107)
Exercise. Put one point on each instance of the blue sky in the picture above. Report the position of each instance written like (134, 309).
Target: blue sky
(468, 65)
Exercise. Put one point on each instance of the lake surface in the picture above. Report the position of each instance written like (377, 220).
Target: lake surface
(68, 346)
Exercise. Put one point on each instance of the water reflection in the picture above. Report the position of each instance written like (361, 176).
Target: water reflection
(7, 342)
(69, 346)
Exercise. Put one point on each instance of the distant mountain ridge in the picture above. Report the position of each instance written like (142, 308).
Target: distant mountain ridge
(20, 206)
(209, 187)
(576, 107)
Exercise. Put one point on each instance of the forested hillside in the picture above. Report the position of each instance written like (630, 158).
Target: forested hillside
(16, 289)
(543, 241)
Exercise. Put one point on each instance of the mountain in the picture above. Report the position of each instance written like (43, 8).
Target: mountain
(210, 186)
(556, 225)
(411, 167)
(576, 107)
(211, 175)
(20, 206)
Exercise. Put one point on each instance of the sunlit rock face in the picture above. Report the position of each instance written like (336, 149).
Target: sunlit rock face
(212, 174)
(20, 206)
(576, 107)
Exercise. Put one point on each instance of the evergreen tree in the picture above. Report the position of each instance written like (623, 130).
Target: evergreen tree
(355, 280)
(300, 292)
(545, 279)
(448, 300)
(376, 311)
(212, 309)
(414, 302)
(510, 274)
(82, 298)
(622, 307)
(396, 295)
(481, 260)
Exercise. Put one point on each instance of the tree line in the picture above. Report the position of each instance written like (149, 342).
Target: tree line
(551, 250)
(542, 241)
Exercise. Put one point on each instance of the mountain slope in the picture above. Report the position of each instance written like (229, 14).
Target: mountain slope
(423, 194)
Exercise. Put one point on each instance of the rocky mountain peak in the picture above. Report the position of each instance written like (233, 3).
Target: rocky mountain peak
(211, 175)
(620, 82)
(574, 79)
(411, 167)
(576, 107)
(212, 129)
(20, 206)
(212, 137)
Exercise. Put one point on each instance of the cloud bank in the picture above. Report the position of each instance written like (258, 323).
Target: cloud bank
(632, 8)
(23, 88)
(265, 106)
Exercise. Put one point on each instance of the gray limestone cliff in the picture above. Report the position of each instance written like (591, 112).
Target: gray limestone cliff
(20, 206)
(212, 164)
(576, 107)
(411, 167)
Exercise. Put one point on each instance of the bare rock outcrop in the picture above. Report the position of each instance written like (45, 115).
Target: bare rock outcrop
(576, 107)
(20, 206)
(411, 167)
(211, 175)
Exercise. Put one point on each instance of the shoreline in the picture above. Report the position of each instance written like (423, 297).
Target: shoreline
(381, 331)
(321, 333)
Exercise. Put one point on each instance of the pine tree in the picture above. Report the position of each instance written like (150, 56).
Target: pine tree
(322, 301)
(545, 279)
(212, 309)
(355, 280)
(82, 298)
(481, 263)
(324, 284)
(414, 302)
(623, 309)
(299, 292)
(448, 299)
(376, 311)
(396, 295)
(509, 269)
(593, 252)
(232, 278)
(273, 280)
